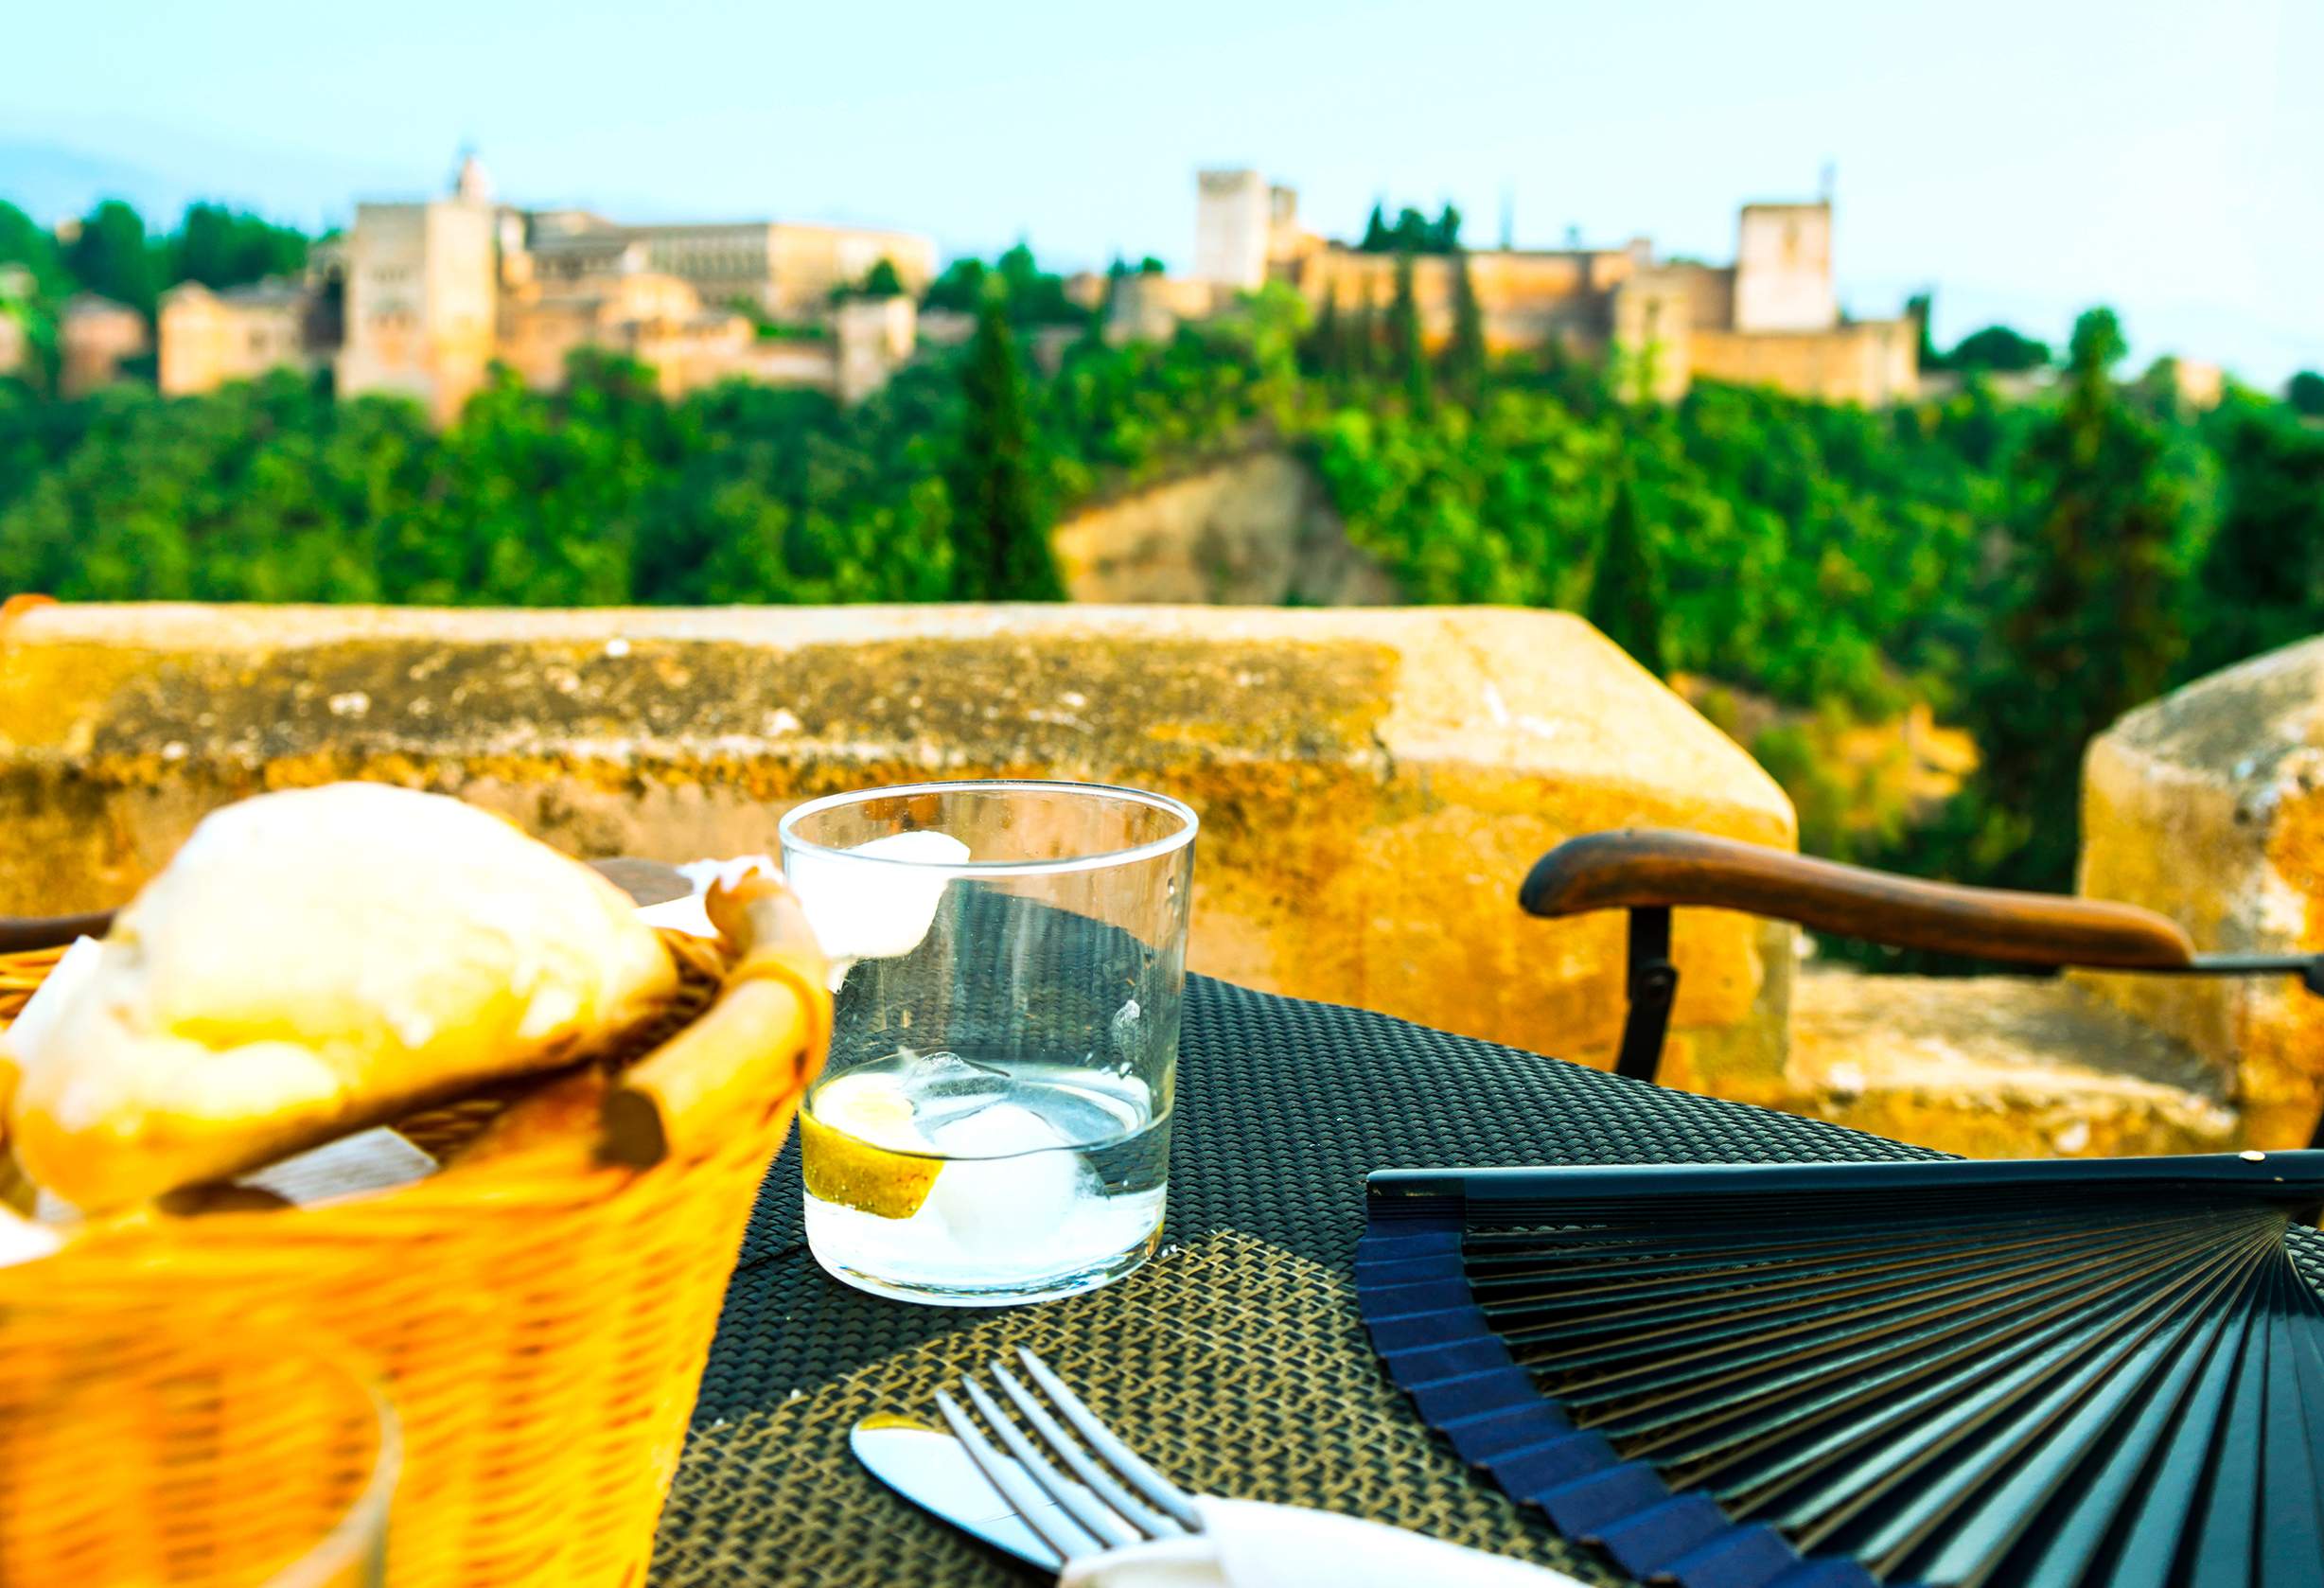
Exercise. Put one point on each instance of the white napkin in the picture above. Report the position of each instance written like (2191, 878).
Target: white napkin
(858, 912)
(21, 1240)
(75, 966)
(1245, 1545)
(688, 914)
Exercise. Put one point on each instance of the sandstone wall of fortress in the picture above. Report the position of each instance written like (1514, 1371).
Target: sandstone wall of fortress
(1868, 363)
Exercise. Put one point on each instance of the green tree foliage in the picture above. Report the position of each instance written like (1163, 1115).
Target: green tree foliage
(2305, 393)
(601, 491)
(1000, 548)
(1465, 357)
(1363, 358)
(1626, 601)
(1808, 551)
(1919, 309)
(882, 280)
(2094, 626)
(1035, 297)
(32, 284)
(958, 287)
(1327, 351)
(1413, 233)
(1118, 416)
(1408, 358)
(219, 247)
(24, 242)
(112, 257)
(1444, 236)
(2263, 581)
(1999, 350)
(1030, 296)
(1493, 505)
(266, 492)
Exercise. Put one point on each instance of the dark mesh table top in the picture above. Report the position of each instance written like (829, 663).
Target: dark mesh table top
(1283, 1107)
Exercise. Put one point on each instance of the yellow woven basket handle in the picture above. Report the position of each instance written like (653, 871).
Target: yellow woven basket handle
(763, 1039)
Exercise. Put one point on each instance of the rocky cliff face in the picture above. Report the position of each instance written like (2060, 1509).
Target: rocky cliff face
(1250, 531)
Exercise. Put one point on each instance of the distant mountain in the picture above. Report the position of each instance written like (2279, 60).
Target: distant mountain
(50, 180)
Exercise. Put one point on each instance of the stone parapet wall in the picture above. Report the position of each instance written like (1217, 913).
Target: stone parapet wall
(1372, 783)
(2207, 805)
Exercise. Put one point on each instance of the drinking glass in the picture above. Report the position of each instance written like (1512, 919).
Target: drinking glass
(993, 1124)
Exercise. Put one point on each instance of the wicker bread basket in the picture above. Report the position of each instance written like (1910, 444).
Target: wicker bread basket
(539, 1316)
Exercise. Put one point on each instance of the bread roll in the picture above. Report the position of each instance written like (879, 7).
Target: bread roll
(311, 962)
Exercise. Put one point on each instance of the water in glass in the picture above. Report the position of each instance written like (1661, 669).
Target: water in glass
(1014, 1181)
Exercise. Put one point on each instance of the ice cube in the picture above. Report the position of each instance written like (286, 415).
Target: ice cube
(998, 1130)
(995, 1207)
(936, 1069)
(945, 1086)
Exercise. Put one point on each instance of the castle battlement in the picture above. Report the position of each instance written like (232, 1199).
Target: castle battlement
(436, 290)
(1772, 317)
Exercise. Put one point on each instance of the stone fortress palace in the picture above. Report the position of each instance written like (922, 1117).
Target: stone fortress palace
(421, 297)
(431, 293)
(1772, 318)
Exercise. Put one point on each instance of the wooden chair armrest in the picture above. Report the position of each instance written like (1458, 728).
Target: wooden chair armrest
(1658, 867)
(23, 934)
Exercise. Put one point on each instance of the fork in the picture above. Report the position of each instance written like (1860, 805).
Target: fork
(1158, 1509)
(1117, 1521)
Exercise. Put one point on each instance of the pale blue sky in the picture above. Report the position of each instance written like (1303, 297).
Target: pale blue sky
(2026, 158)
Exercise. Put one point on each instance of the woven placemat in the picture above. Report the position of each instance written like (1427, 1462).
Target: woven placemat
(1283, 1107)
(1196, 1360)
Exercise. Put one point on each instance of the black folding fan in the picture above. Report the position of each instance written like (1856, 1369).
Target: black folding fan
(2029, 1375)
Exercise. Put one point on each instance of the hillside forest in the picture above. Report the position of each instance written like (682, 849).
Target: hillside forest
(2025, 567)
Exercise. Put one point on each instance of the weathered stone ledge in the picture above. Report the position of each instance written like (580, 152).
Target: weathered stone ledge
(2207, 805)
(1372, 782)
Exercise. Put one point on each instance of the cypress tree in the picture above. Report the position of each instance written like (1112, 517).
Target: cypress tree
(1001, 546)
(1465, 359)
(1445, 237)
(1410, 363)
(1364, 335)
(1921, 310)
(2094, 626)
(1626, 601)
(1325, 353)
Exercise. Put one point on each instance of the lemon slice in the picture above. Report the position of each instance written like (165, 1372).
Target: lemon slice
(857, 1148)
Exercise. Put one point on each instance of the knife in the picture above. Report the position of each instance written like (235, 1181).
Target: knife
(1243, 1541)
(928, 1467)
